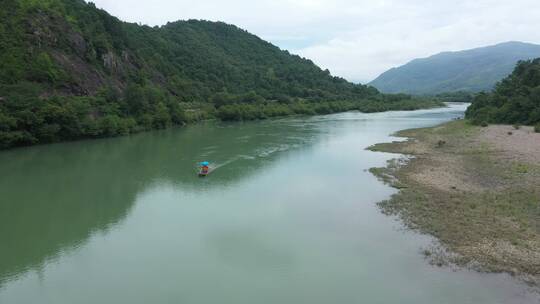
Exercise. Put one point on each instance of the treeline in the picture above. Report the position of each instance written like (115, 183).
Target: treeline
(515, 100)
(27, 119)
(459, 96)
(276, 108)
(69, 70)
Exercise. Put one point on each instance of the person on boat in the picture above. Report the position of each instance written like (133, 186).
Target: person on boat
(205, 168)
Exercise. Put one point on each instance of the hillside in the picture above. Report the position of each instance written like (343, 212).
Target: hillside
(472, 70)
(515, 100)
(69, 70)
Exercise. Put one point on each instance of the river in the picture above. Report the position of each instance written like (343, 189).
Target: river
(288, 216)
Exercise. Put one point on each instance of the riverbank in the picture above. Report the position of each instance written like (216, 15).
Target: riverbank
(92, 117)
(476, 189)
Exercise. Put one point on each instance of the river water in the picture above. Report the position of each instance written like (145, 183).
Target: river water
(288, 216)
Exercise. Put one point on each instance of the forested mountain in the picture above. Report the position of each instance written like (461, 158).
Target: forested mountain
(471, 70)
(69, 70)
(515, 100)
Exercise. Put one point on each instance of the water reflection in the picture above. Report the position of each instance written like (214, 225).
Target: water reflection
(53, 198)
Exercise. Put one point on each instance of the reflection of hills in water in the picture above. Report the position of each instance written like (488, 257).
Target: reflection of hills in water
(53, 198)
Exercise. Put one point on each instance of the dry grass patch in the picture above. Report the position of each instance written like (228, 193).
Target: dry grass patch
(479, 196)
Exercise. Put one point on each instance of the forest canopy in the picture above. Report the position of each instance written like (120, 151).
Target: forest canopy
(515, 100)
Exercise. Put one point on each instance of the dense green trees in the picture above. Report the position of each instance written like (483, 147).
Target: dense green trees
(459, 96)
(515, 100)
(27, 119)
(251, 111)
(69, 70)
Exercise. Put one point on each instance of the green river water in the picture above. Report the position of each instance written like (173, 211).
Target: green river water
(288, 216)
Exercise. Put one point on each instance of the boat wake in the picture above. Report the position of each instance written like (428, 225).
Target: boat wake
(214, 167)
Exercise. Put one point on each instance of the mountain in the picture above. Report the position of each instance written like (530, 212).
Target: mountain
(69, 47)
(69, 70)
(515, 100)
(471, 70)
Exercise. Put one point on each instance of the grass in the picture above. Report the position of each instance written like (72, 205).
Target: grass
(483, 208)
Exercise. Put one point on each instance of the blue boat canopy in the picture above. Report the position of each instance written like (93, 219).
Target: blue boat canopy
(205, 163)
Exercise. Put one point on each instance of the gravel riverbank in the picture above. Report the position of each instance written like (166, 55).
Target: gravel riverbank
(476, 189)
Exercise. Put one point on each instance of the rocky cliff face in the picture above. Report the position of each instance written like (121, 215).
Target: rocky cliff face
(49, 33)
(87, 71)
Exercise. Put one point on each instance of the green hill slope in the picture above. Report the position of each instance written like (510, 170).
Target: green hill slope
(471, 70)
(515, 100)
(69, 70)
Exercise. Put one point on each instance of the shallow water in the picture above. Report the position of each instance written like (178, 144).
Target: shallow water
(288, 216)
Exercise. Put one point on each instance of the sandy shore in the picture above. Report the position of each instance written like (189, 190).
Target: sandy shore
(476, 189)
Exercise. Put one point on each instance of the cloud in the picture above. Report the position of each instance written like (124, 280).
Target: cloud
(357, 40)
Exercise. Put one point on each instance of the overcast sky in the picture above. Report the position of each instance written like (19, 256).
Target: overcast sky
(355, 39)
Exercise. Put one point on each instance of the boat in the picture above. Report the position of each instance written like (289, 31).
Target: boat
(204, 169)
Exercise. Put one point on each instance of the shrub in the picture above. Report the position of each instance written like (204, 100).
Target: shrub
(537, 128)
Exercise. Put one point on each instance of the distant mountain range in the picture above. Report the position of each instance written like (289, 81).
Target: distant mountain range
(472, 70)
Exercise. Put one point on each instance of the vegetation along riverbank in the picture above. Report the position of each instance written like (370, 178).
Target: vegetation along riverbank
(476, 189)
(515, 100)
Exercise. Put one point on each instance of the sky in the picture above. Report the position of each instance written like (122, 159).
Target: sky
(354, 39)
